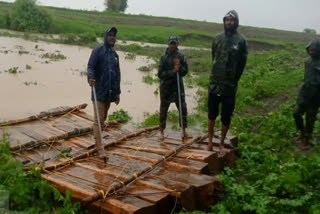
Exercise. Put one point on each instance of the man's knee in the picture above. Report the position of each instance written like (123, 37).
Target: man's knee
(226, 120)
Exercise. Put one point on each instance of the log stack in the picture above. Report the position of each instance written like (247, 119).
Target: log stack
(143, 174)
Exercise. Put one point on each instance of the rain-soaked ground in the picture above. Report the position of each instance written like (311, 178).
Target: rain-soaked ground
(44, 83)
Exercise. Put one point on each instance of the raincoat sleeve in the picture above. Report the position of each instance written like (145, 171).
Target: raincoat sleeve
(213, 49)
(118, 78)
(243, 59)
(92, 65)
(184, 67)
(164, 74)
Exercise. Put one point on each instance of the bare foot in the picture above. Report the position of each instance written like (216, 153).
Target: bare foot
(161, 137)
(104, 158)
(187, 136)
(303, 146)
(300, 138)
(222, 150)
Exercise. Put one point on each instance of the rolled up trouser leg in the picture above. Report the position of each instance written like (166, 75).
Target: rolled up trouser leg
(228, 106)
(103, 108)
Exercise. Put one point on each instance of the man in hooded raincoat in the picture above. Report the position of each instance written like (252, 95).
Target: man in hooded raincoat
(229, 56)
(308, 101)
(104, 75)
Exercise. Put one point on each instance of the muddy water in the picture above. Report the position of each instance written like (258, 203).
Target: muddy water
(62, 83)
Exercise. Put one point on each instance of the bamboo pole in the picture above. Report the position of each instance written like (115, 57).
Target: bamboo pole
(116, 187)
(44, 115)
(92, 151)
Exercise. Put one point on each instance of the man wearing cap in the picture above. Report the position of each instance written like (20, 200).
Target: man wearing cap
(104, 75)
(229, 56)
(171, 63)
(308, 101)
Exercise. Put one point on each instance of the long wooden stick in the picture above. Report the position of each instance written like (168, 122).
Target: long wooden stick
(116, 187)
(92, 151)
(44, 115)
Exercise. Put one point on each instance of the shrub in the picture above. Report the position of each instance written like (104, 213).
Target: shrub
(27, 16)
(86, 38)
(122, 116)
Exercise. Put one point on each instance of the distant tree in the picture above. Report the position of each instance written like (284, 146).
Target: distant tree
(26, 15)
(123, 5)
(310, 31)
(116, 5)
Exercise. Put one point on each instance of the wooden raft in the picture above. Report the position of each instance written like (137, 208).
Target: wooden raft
(143, 174)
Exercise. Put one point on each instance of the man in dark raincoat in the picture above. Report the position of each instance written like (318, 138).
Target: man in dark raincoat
(229, 56)
(308, 101)
(171, 63)
(104, 75)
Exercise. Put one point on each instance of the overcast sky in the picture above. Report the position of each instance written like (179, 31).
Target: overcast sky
(293, 15)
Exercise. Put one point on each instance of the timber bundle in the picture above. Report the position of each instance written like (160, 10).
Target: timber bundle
(142, 175)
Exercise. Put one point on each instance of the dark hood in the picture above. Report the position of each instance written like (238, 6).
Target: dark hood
(314, 44)
(234, 14)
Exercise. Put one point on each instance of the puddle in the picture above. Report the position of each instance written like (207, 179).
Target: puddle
(44, 83)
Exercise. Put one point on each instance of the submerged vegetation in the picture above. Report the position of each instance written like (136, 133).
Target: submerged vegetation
(121, 116)
(53, 56)
(13, 70)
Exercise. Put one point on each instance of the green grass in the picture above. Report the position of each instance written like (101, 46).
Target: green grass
(28, 191)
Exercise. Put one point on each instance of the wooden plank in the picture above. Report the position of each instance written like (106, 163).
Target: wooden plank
(97, 179)
(85, 142)
(135, 154)
(41, 131)
(65, 183)
(163, 201)
(84, 115)
(117, 165)
(205, 187)
(124, 205)
(212, 158)
(185, 165)
(145, 149)
(16, 137)
(182, 191)
(71, 119)
(67, 124)
(228, 159)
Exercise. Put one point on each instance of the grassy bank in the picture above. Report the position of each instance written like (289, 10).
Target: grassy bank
(27, 192)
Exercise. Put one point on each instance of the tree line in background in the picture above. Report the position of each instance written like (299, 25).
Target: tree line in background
(116, 5)
(26, 15)
(310, 31)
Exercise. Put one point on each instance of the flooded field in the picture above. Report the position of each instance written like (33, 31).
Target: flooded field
(36, 76)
